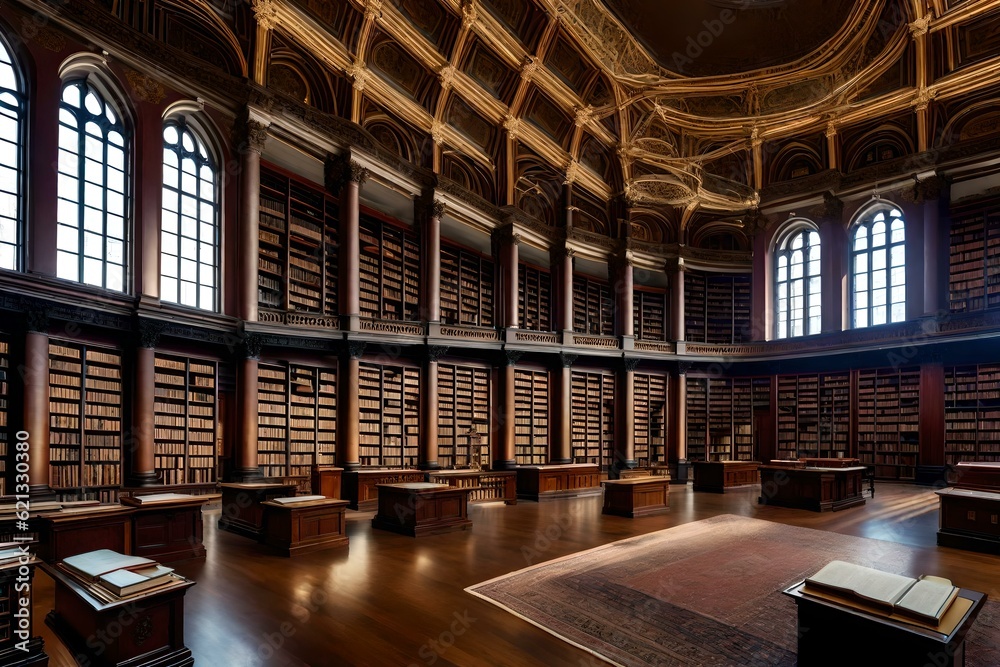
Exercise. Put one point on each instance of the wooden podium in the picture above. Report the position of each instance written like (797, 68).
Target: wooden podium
(422, 508)
(304, 527)
(144, 630)
(167, 527)
(242, 505)
(836, 634)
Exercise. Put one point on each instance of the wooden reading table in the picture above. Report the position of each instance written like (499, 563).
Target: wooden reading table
(242, 505)
(76, 530)
(969, 519)
(815, 489)
(421, 508)
(306, 526)
(142, 630)
(832, 633)
(483, 485)
(167, 527)
(717, 476)
(637, 496)
(360, 487)
(550, 482)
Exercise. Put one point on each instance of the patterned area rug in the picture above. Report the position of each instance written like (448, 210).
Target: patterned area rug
(704, 593)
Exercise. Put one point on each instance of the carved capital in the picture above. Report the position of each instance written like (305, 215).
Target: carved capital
(683, 367)
(566, 360)
(572, 172)
(511, 357)
(437, 132)
(252, 346)
(266, 13)
(339, 171)
(505, 235)
(929, 189)
(833, 207)
(435, 352)
(584, 115)
(359, 75)
(512, 125)
(923, 98)
(36, 320)
(921, 25)
(373, 10)
(529, 68)
(447, 76)
(630, 364)
(437, 209)
(469, 14)
(831, 129)
(149, 333)
(754, 222)
(356, 349)
(557, 253)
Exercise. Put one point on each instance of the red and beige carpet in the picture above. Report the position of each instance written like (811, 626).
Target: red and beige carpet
(704, 593)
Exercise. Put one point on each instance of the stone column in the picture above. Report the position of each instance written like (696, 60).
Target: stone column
(348, 407)
(431, 291)
(561, 432)
(623, 284)
(833, 249)
(36, 402)
(428, 453)
(346, 176)
(143, 403)
(624, 458)
(505, 253)
(677, 301)
(678, 452)
(934, 193)
(251, 145)
(248, 465)
(506, 458)
(562, 290)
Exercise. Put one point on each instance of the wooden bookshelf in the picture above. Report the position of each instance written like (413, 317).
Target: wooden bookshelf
(814, 415)
(650, 418)
(650, 310)
(390, 271)
(466, 287)
(297, 266)
(593, 306)
(717, 307)
(185, 416)
(593, 416)
(463, 413)
(531, 417)
(390, 415)
(534, 298)
(85, 421)
(888, 407)
(697, 418)
(974, 278)
(4, 407)
(972, 413)
(296, 419)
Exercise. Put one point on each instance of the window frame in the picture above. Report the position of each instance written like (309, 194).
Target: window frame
(20, 115)
(183, 123)
(867, 219)
(782, 248)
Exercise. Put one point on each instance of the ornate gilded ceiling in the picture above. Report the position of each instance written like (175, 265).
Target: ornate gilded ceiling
(579, 109)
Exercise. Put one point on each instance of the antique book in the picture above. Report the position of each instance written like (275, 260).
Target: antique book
(126, 582)
(926, 598)
(92, 564)
(156, 498)
(287, 500)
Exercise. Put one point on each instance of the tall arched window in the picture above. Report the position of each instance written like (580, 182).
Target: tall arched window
(189, 233)
(93, 189)
(878, 268)
(797, 284)
(12, 104)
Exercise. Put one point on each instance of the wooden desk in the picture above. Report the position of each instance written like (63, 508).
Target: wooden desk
(360, 487)
(145, 630)
(242, 511)
(77, 530)
(169, 528)
(298, 528)
(815, 489)
(421, 508)
(969, 519)
(831, 463)
(550, 482)
(717, 476)
(326, 481)
(981, 476)
(483, 485)
(10, 598)
(638, 496)
(834, 634)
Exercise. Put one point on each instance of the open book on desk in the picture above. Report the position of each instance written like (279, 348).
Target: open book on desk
(925, 599)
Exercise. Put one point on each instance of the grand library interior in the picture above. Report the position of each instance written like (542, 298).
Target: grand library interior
(496, 332)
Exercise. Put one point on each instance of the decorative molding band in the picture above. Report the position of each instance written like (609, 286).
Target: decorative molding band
(606, 342)
(643, 346)
(536, 337)
(401, 328)
(471, 333)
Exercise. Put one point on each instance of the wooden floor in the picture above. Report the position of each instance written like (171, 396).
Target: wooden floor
(385, 599)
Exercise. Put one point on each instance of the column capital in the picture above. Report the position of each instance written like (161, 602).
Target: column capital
(252, 346)
(355, 349)
(832, 209)
(266, 13)
(36, 319)
(250, 133)
(341, 170)
(629, 364)
(560, 252)
(566, 360)
(149, 333)
(931, 188)
(511, 357)
(683, 367)
(435, 352)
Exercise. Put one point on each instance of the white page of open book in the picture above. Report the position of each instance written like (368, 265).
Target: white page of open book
(870, 584)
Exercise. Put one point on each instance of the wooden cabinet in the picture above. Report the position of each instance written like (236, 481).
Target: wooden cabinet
(170, 530)
(421, 508)
(549, 482)
(326, 481)
(640, 496)
(969, 519)
(70, 532)
(717, 476)
(298, 528)
(816, 489)
(242, 512)
(360, 487)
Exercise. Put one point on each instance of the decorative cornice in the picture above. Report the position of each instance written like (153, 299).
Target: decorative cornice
(265, 12)
(339, 170)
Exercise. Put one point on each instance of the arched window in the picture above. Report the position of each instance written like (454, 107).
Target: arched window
(189, 230)
(878, 268)
(93, 189)
(797, 284)
(12, 104)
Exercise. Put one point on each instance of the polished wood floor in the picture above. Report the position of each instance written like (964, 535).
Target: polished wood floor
(382, 601)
